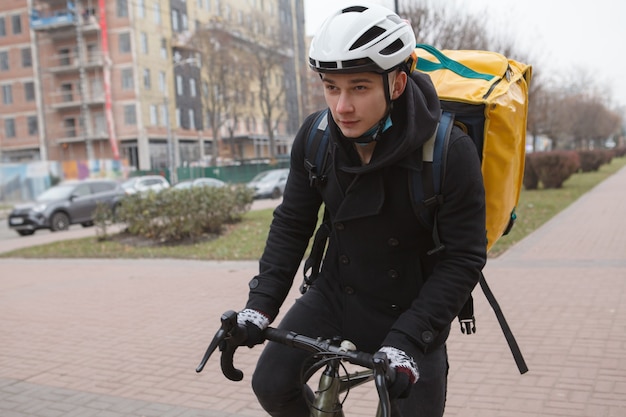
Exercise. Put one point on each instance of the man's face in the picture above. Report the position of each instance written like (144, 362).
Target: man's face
(356, 101)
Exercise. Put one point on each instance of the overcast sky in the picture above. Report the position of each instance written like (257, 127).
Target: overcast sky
(568, 34)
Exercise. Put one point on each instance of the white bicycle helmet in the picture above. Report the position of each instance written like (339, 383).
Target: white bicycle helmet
(362, 38)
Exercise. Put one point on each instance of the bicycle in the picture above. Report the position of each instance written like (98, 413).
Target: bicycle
(330, 354)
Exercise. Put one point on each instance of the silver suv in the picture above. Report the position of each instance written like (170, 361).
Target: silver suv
(70, 202)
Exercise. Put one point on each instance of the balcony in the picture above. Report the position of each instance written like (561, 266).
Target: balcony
(72, 100)
(59, 19)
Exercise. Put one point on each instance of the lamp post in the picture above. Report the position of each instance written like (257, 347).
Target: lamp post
(170, 142)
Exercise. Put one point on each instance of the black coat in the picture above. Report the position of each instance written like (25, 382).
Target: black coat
(376, 270)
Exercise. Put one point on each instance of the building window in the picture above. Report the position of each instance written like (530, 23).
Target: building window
(192, 119)
(154, 114)
(178, 118)
(146, 78)
(175, 17)
(179, 85)
(3, 26)
(163, 48)
(122, 8)
(64, 57)
(157, 13)
(192, 87)
(29, 91)
(141, 9)
(162, 81)
(144, 42)
(66, 92)
(127, 79)
(4, 60)
(16, 21)
(27, 58)
(9, 128)
(7, 94)
(130, 115)
(164, 116)
(31, 122)
(69, 125)
(124, 41)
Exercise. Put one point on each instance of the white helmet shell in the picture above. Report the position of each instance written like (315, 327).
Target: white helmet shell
(361, 38)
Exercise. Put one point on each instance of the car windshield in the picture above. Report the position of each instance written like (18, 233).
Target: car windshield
(56, 193)
(129, 183)
(267, 175)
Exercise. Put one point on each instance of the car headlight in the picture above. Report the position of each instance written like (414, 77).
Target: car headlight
(39, 208)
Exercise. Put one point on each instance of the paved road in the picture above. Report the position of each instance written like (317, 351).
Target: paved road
(121, 338)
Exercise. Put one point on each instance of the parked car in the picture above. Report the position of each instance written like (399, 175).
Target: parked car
(145, 183)
(269, 184)
(70, 202)
(199, 182)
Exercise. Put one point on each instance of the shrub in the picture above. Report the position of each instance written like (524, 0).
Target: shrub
(554, 167)
(177, 214)
(531, 180)
(592, 160)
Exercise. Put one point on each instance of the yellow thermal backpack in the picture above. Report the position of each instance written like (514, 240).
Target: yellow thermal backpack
(487, 94)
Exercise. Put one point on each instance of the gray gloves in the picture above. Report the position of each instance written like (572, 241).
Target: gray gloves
(253, 322)
(407, 373)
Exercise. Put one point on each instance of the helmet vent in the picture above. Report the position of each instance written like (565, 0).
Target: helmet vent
(367, 37)
(359, 9)
(396, 46)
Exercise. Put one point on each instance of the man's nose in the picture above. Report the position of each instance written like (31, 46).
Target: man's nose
(344, 104)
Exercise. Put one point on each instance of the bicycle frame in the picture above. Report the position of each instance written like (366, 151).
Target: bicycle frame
(331, 385)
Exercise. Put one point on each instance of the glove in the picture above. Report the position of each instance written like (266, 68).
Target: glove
(253, 323)
(406, 372)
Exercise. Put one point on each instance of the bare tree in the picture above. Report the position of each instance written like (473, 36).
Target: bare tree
(221, 80)
(268, 56)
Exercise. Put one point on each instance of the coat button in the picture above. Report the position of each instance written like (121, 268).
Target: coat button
(427, 336)
(253, 283)
(395, 307)
(340, 226)
(344, 259)
(349, 290)
(393, 242)
(393, 274)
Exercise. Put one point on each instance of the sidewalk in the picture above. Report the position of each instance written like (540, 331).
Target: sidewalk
(121, 338)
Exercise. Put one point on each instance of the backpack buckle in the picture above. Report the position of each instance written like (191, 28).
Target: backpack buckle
(468, 326)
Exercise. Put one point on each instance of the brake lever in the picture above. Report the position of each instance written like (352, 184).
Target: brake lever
(383, 373)
(229, 323)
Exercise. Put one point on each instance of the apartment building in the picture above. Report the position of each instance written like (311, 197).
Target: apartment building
(108, 79)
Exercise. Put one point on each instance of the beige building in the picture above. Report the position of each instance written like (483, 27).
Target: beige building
(106, 79)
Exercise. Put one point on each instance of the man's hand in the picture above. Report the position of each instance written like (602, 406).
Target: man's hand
(253, 323)
(406, 372)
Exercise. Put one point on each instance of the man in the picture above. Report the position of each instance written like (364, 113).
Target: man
(378, 287)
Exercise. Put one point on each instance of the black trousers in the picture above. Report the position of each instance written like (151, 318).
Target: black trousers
(277, 378)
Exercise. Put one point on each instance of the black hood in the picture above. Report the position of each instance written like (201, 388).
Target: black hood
(415, 115)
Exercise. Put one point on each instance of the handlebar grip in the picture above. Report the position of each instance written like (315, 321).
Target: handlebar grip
(226, 362)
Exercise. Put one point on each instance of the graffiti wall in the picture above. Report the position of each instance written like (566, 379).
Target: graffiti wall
(24, 182)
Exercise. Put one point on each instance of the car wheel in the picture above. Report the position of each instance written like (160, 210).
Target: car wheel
(25, 232)
(59, 221)
(276, 193)
(87, 224)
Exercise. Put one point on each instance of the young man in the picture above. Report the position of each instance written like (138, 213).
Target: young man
(378, 287)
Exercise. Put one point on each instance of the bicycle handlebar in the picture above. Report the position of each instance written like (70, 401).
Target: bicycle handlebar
(229, 337)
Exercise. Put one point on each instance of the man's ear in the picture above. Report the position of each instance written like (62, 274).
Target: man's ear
(399, 84)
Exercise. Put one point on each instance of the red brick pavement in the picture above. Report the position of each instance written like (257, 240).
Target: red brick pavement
(123, 337)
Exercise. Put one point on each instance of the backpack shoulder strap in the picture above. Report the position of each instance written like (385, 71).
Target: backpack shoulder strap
(316, 149)
(426, 189)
